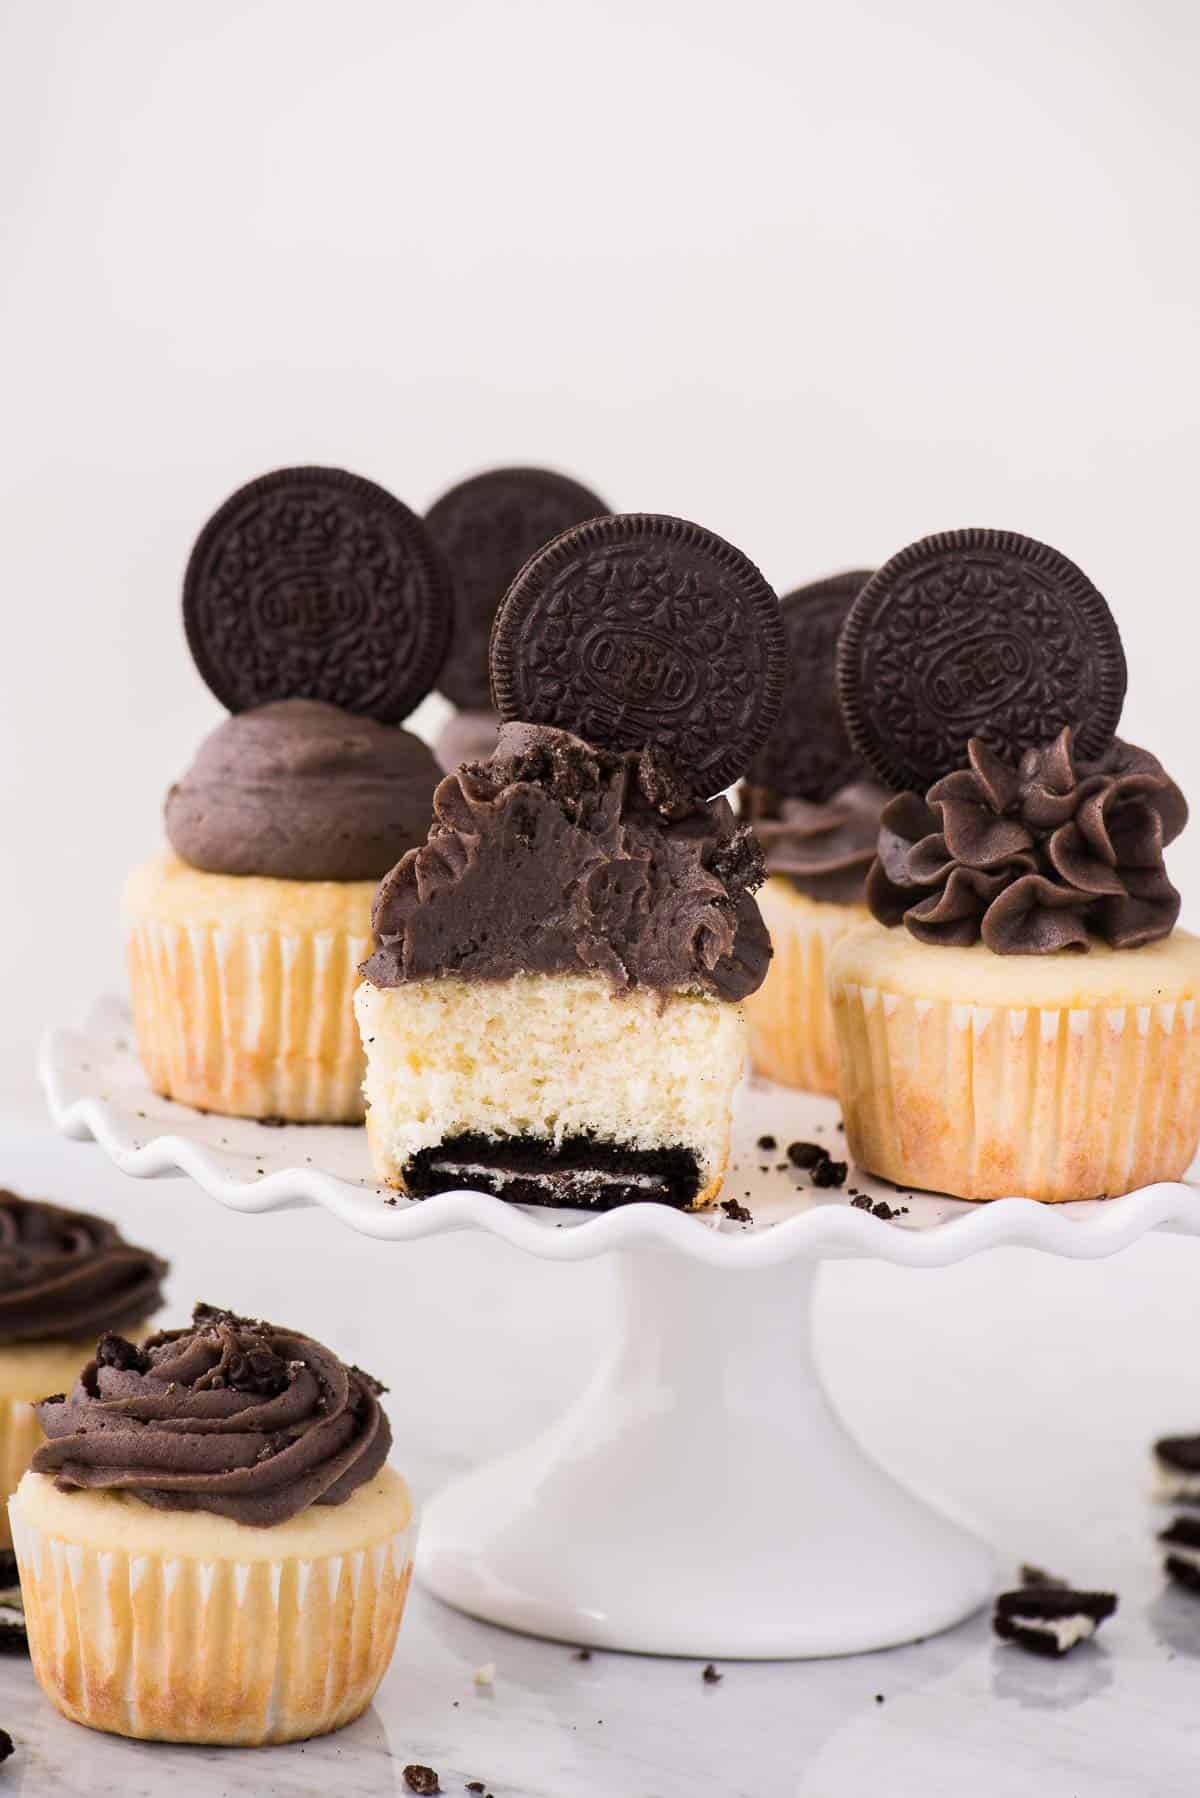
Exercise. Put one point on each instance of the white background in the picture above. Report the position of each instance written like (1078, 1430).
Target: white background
(824, 277)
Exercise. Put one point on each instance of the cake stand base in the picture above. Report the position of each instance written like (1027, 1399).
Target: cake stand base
(702, 1497)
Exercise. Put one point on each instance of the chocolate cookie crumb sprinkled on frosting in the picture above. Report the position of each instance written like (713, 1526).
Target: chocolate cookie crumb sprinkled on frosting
(638, 628)
(976, 633)
(311, 583)
(487, 528)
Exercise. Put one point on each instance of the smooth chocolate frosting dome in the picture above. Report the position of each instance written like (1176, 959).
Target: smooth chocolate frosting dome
(65, 1273)
(302, 790)
(466, 737)
(823, 850)
(557, 858)
(1033, 859)
(243, 1419)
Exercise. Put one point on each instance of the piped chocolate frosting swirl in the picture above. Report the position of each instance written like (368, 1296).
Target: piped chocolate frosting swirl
(1042, 857)
(824, 850)
(244, 1419)
(554, 857)
(69, 1274)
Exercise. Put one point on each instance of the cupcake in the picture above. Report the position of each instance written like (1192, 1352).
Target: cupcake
(553, 1012)
(211, 1546)
(815, 810)
(1019, 1019)
(318, 610)
(487, 528)
(64, 1276)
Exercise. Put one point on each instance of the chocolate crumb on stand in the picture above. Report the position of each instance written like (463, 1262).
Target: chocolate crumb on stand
(422, 1780)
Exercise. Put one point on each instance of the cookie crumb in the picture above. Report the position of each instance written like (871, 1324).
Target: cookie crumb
(806, 1154)
(422, 1780)
(737, 1212)
(767, 1143)
(711, 1677)
(6, 1744)
(583, 1654)
(830, 1173)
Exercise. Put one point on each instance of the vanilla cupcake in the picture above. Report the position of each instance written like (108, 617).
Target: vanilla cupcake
(553, 1012)
(64, 1277)
(211, 1545)
(486, 528)
(815, 810)
(1020, 1020)
(318, 610)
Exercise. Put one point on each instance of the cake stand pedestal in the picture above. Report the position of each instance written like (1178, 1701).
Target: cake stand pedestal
(701, 1497)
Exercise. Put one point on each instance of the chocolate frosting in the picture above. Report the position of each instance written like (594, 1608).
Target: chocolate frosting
(557, 858)
(1034, 859)
(466, 737)
(302, 790)
(824, 851)
(68, 1274)
(240, 1418)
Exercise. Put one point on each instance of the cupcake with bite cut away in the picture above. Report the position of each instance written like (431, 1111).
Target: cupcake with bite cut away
(1020, 1019)
(486, 528)
(211, 1545)
(815, 809)
(318, 609)
(553, 1011)
(65, 1275)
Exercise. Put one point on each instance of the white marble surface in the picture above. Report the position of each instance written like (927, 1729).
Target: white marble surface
(1022, 1387)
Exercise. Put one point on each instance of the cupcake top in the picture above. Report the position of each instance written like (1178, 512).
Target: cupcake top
(824, 850)
(554, 857)
(982, 675)
(637, 664)
(241, 1418)
(302, 790)
(318, 609)
(68, 1274)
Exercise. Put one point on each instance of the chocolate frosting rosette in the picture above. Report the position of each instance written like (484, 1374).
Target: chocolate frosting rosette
(65, 1275)
(815, 809)
(211, 1545)
(318, 608)
(1020, 1019)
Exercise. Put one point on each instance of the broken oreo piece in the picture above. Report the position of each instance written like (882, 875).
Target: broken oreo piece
(976, 633)
(6, 1745)
(311, 583)
(1182, 1561)
(581, 1173)
(1177, 1469)
(638, 628)
(808, 754)
(736, 1211)
(1051, 1620)
(828, 1172)
(806, 1154)
(422, 1780)
(487, 528)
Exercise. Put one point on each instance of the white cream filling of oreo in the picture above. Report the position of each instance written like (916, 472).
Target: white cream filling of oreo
(1178, 1552)
(1065, 1630)
(1170, 1484)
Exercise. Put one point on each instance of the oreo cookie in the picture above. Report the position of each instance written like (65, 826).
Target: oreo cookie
(487, 528)
(976, 634)
(638, 628)
(1051, 1620)
(808, 754)
(1177, 1469)
(1182, 1559)
(311, 583)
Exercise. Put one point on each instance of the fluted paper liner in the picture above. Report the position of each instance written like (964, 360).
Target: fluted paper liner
(182, 1649)
(792, 1038)
(995, 1101)
(246, 1008)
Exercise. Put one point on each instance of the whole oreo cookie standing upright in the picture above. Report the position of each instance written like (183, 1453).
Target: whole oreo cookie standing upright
(808, 754)
(638, 629)
(976, 633)
(311, 583)
(487, 528)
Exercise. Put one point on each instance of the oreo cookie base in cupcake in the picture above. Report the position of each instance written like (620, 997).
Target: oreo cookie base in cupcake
(1020, 1020)
(318, 610)
(553, 1010)
(211, 1545)
(65, 1275)
(815, 809)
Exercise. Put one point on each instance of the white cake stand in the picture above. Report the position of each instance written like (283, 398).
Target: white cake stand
(702, 1497)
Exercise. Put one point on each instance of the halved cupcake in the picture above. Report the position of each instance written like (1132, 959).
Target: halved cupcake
(553, 1010)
